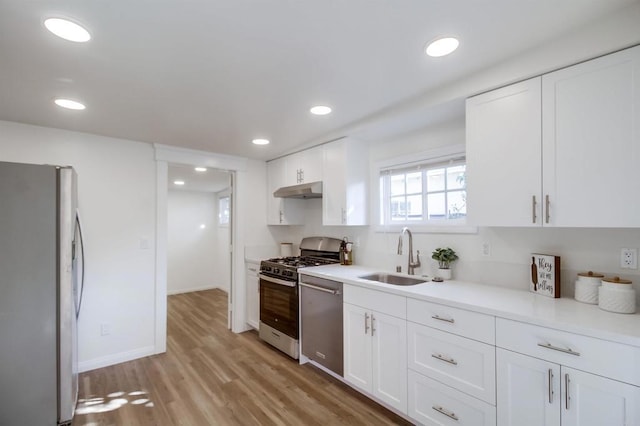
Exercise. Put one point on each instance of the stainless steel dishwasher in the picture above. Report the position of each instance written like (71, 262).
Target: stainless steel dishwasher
(321, 317)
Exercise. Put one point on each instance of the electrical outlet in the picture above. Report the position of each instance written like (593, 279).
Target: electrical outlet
(105, 329)
(629, 258)
(486, 249)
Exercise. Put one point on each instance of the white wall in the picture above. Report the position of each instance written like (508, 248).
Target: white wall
(192, 251)
(116, 191)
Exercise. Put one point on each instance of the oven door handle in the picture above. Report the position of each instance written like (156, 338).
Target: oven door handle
(277, 280)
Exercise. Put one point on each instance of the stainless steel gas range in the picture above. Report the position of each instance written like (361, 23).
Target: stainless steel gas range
(279, 289)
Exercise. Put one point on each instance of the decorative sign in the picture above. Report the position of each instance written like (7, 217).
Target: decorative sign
(545, 275)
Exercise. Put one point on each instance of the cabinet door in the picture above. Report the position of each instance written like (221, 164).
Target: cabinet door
(253, 295)
(311, 165)
(281, 211)
(591, 142)
(528, 390)
(344, 183)
(357, 347)
(389, 335)
(590, 400)
(504, 156)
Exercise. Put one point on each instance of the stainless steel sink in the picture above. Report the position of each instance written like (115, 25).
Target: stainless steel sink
(386, 278)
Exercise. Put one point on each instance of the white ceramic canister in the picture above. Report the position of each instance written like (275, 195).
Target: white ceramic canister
(617, 295)
(586, 288)
(286, 249)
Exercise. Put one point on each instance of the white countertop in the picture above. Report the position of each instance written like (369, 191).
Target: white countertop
(562, 314)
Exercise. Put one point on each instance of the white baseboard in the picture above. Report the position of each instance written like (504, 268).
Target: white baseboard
(118, 358)
(189, 290)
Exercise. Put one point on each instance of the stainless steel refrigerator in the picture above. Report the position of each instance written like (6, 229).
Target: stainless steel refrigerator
(41, 269)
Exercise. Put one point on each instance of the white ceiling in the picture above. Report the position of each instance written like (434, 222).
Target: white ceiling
(211, 180)
(214, 74)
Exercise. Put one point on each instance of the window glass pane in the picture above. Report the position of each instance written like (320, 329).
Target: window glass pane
(435, 180)
(398, 208)
(455, 177)
(223, 211)
(382, 200)
(414, 207)
(457, 204)
(414, 183)
(435, 206)
(397, 184)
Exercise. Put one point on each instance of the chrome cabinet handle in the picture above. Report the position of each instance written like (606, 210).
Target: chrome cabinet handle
(533, 209)
(366, 323)
(373, 325)
(550, 386)
(546, 202)
(566, 391)
(439, 318)
(556, 348)
(447, 413)
(281, 216)
(443, 358)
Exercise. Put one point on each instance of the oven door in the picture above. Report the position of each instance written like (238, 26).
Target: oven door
(279, 304)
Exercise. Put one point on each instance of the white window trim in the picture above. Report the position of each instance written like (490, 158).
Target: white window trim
(432, 156)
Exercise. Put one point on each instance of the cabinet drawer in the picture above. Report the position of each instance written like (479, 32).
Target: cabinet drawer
(614, 360)
(453, 320)
(433, 403)
(390, 304)
(464, 364)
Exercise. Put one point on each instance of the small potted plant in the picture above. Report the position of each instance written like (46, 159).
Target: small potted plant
(445, 257)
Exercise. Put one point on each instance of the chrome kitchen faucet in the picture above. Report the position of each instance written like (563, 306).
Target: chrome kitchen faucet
(411, 265)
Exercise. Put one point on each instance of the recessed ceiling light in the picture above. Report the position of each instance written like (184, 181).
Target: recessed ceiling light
(260, 142)
(200, 169)
(67, 30)
(203, 226)
(320, 110)
(442, 46)
(178, 182)
(69, 104)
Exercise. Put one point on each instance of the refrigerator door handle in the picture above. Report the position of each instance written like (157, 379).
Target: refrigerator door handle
(82, 258)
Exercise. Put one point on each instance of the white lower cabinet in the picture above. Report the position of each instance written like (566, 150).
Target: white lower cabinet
(375, 353)
(433, 403)
(253, 295)
(533, 392)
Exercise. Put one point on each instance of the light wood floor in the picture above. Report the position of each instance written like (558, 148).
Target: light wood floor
(210, 376)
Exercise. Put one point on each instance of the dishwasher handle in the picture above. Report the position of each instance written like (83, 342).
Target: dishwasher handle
(324, 289)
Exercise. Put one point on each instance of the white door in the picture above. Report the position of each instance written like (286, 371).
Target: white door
(389, 335)
(504, 156)
(528, 390)
(357, 347)
(591, 142)
(590, 400)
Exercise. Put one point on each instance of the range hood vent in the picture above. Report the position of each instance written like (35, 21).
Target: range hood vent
(304, 190)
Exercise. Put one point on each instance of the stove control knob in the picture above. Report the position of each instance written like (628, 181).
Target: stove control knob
(287, 273)
(276, 270)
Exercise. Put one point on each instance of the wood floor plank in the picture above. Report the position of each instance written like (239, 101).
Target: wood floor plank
(211, 376)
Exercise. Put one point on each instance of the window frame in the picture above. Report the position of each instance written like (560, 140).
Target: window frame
(434, 157)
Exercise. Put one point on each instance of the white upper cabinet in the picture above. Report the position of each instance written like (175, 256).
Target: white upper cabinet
(503, 156)
(303, 167)
(558, 150)
(281, 211)
(344, 185)
(591, 142)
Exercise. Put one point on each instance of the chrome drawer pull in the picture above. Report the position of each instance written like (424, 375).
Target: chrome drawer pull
(442, 358)
(447, 413)
(439, 318)
(555, 348)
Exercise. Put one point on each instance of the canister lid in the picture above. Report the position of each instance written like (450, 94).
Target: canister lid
(616, 280)
(591, 274)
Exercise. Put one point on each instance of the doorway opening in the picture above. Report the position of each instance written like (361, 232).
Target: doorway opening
(198, 229)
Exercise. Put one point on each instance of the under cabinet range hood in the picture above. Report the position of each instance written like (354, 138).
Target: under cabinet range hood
(304, 190)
